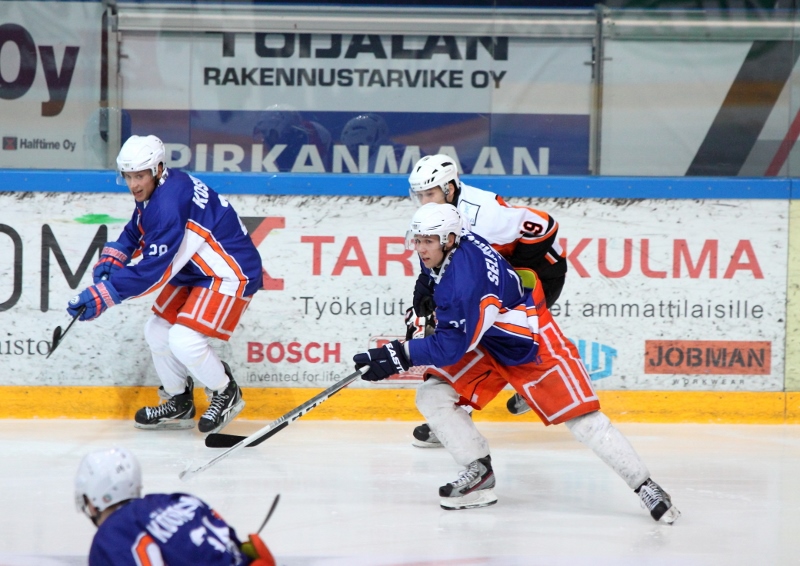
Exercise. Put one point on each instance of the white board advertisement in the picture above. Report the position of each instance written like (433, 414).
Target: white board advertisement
(339, 103)
(50, 67)
(660, 294)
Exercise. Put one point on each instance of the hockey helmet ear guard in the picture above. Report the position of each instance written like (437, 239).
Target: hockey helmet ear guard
(140, 153)
(107, 477)
(433, 171)
(434, 220)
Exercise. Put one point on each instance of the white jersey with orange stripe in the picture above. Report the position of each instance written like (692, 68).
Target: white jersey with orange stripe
(479, 300)
(525, 236)
(190, 236)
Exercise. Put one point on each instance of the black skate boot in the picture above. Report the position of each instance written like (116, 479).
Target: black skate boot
(177, 412)
(658, 502)
(517, 405)
(473, 488)
(224, 406)
(425, 438)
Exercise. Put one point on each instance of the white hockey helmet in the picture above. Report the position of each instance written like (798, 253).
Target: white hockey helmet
(364, 129)
(433, 171)
(106, 477)
(139, 153)
(434, 219)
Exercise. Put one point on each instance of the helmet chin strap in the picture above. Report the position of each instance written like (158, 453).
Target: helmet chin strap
(438, 272)
(456, 193)
(163, 177)
(97, 516)
(91, 511)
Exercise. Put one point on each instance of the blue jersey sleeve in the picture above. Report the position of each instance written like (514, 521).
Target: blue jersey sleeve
(131, 236)
(164, 234)
(190, 236)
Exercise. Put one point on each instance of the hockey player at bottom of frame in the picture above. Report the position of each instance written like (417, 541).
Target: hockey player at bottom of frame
(487, 336)
(176, 529)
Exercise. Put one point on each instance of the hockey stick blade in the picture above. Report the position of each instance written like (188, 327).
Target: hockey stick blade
(221, 440)
(278, 424)
(58, 336)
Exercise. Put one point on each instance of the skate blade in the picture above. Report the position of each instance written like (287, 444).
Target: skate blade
(237, 408)
(423, 444)
(519, 408)
(672, 514)
(480, 498)
(175, 424)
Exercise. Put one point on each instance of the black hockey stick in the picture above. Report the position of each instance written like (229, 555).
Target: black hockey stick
(271, 428)
(222, 440)
(249, 546)
(58, 335)
(269, 513)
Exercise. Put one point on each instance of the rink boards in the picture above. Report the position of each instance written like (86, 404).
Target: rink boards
(677, 303)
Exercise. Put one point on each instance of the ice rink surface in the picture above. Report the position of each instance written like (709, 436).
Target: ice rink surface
(358, 494)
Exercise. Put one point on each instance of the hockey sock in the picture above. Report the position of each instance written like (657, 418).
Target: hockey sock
(596, 431)
(453, 426)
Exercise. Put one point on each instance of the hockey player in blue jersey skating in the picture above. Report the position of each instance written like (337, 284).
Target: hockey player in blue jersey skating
(193, 247)
(526, 237)
(492, 332)
(177, 529)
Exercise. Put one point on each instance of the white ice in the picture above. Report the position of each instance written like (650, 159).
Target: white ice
(358, 494)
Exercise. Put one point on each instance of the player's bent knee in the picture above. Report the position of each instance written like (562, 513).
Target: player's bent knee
(590, 427)
(188, 345)
(434, 395)
(156, 333)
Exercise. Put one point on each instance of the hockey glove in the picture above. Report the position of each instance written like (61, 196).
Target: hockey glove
(418, 326)
(423, 296)
(96, 298)
(527, 276)
(256, 549)
(383, 362)
(112, 258)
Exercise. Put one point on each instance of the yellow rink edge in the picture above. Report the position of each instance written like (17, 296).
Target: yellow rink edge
(380, 403)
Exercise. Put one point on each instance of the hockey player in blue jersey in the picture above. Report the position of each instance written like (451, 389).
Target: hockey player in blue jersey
(161, 529)
(491, 332)
(526, 237)
(195, 249)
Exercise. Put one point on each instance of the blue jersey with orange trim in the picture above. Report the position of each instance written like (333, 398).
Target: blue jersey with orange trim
(189, 236)
(479, 300)
(166, 529)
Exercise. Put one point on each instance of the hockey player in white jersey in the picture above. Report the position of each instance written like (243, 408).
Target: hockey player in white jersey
(492, 332)
(196, 251)
(525, 236)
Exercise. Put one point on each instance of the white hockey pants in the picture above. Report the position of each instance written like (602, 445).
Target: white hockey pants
(179, 351)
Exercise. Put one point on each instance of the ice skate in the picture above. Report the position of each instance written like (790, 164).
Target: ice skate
(658, 502)
(517, 405)
(175, 413)
(224, 406)
(425, 438)
(473, 488)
